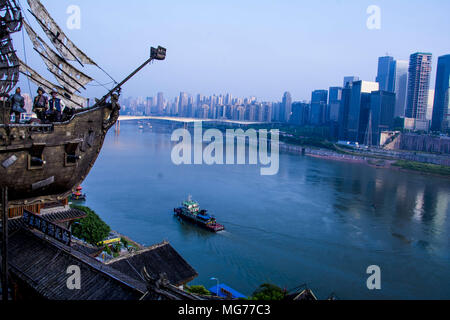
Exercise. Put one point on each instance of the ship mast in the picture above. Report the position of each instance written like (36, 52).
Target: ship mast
(10, 22)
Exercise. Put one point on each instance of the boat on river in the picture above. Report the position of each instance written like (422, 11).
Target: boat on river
(190, 211)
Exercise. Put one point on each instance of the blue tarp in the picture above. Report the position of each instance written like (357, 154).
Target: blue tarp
(224, 289)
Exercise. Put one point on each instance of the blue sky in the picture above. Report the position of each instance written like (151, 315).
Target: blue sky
(248, 48)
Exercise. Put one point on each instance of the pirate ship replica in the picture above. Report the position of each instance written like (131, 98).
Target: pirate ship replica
(44, 162)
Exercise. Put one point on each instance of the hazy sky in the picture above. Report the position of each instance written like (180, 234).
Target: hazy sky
(246, 47)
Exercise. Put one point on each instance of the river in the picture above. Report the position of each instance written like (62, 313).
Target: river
(317, 221)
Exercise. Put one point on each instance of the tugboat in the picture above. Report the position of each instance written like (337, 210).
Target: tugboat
(77, 195)
(190, 211)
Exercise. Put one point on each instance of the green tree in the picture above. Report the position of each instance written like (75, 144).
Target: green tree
(198, 290)
(124, 242)
(268, 292)
(108, 251)
(92, 229)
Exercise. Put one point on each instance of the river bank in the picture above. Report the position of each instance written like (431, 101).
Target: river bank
(411, 166)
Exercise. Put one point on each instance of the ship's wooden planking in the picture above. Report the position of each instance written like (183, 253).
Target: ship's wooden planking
(41, 163)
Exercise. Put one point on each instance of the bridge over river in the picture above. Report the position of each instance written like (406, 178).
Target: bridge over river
(185, 120)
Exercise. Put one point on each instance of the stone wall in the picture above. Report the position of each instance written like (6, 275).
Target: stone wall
(423, 143)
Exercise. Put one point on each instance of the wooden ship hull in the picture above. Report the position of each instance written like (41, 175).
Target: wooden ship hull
(44, 163)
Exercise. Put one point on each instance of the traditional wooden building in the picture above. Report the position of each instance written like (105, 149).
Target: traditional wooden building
(39, 264)
(157, 259)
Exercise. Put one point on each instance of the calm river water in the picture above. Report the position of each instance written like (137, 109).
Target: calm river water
(318, 222)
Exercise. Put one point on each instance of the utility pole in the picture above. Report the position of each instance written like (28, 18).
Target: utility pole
(5, 244)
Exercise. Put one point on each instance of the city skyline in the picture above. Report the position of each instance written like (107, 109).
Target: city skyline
(360, 112)
(257, 49)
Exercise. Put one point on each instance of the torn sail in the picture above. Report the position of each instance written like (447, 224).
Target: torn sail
(61, 42)
(9, 66)
(70, 100)
(68, 76)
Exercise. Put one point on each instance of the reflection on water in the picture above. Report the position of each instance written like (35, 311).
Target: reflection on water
(318, 222)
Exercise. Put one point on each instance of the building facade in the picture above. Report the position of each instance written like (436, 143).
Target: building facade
(386, 73)
(441, 106)
(286, 107)
(319, 101)
(359, 110)
(418, 89)
(382, 110)
(300, 113)
(334, 103)
(401, 87)
(350, 80)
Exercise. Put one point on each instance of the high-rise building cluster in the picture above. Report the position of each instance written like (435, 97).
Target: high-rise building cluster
(399, 98)
(359, 111)
(221, 107)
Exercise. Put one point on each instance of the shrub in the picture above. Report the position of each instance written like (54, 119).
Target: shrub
(91, 229)
(268, 292)
(423, 167)
(198, 290)
(108, 250)
(124, 242)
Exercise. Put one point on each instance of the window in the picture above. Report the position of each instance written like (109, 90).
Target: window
(35, 157)
(71, 158)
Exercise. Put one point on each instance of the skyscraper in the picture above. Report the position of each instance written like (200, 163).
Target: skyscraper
(359, 110)
(430, 105)
(319, 99)
(441, 108)
(393, 77)
(381, 118)
(386, 73)
(286, 108)
(160, 102)
(183, 104)
(300, 113)
(176, 107)
(418, 87)
(344, 109)
(350, 80)
(334, 103)
(148, 106)
(401, 87)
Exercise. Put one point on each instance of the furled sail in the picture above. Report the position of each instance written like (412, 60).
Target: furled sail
(70, 100)
(68, 76)
(61, 42)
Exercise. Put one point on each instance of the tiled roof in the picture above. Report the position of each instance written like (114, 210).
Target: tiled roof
(65, 215)
(161, 258)
(42, 264)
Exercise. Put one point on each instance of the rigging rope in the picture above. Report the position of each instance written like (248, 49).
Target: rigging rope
(115, 82)
(100, 84)
(25, 51)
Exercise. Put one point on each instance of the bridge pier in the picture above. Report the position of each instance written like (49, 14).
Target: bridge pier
(117, 127)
